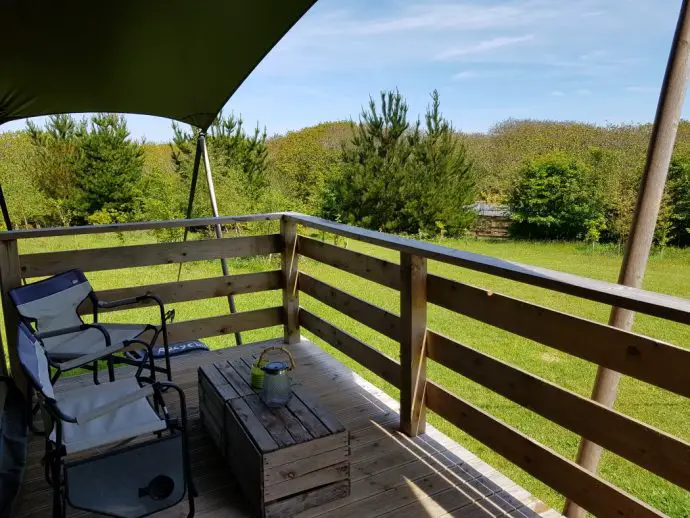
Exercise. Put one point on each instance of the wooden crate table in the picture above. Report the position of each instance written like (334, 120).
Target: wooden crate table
(286, 459)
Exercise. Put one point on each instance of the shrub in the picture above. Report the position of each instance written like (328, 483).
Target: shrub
(555, 197)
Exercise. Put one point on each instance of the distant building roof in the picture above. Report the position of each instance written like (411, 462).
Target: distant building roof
(491, 210)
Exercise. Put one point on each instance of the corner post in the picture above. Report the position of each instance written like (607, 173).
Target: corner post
(289, 257)
(413, 304)
(11, 277)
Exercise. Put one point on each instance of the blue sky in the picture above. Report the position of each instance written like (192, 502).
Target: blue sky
(595, 61)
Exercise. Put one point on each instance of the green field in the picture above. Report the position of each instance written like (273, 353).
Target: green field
(667, 273)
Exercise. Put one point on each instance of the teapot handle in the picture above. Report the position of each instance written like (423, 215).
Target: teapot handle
(282, 349)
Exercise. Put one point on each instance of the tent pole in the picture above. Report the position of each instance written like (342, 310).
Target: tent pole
(649, 199)
(192, 192)
(218, 229)
(5, 211)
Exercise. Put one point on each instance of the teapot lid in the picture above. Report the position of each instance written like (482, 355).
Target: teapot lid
(275, 367)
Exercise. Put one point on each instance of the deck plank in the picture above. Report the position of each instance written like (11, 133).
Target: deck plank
(429, 475)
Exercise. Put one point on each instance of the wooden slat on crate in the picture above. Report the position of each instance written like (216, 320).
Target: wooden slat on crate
(234, 378)
(257, 431)
(316, 497)
(307, 481)
(273, 424)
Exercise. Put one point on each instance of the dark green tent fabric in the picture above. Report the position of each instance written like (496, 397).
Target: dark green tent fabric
(176, 59)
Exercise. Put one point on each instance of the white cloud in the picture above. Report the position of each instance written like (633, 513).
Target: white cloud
(485, 46)
(642, 89)
(557, 93)
(583, 91)
(466, 74)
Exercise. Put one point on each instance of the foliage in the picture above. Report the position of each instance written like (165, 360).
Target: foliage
(399, 179)
(678, 198)
(107, 169)
(27, 204)
(304, 162)
(555, 198)
(239, 164)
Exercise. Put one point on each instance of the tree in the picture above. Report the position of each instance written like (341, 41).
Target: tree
(108, 169)
(368, 191)
(678, 196)
(303, 162)
(54, 160)
(239, 163)
(442, 185)
(399, 179)
(555, 197)
(27, 204)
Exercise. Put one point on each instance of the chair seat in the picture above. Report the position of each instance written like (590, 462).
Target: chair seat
(69, 346)
(134, 419)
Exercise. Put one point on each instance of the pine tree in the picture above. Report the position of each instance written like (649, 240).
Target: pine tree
(399, 179)
(443, 185)
(108, 169)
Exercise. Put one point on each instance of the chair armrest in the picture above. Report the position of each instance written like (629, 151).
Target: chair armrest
(128, 301)
(74, 329)
(102, 410)
(84, 359)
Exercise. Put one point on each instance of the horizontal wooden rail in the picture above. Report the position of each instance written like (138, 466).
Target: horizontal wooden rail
(224, 324)
(652, 449)
(664, 306)
(587, 490)
(195, 289)
(647, 359)
(371, 316)
(377, 362)
(96, 259)
(356, 263)
(137, 226)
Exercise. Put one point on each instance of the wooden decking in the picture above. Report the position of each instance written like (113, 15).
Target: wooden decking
(392, 475)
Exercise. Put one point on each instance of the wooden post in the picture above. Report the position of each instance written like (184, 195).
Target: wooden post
(288, 230)
(646, 211)
(11, 277)
(412, 344)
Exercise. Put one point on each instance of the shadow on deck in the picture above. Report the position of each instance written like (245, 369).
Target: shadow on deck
(391, 474)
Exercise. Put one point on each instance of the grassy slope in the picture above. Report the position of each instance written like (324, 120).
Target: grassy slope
(667, 274)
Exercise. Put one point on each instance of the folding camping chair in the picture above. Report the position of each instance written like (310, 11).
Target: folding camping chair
(129, 482)
(51, 306)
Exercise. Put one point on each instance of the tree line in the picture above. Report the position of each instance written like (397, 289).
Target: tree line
(385, 171)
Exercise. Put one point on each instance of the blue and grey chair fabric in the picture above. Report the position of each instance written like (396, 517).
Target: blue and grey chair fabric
(87, 418)
(50, 308)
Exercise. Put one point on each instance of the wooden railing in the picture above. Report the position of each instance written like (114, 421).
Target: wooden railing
(644, 358)
(15, 266)
(641, 357)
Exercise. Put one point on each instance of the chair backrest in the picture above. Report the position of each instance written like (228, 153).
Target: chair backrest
(52, 303)
(34, 362)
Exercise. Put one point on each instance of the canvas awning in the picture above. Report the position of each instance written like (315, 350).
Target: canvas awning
(177, 59)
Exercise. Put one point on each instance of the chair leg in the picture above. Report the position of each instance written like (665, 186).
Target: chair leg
(95, 374)
(59, 510)
(111, 369)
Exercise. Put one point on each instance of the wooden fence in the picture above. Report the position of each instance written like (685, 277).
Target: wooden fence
(641, 357)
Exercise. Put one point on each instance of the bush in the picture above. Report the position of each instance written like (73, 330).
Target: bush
(556, 197)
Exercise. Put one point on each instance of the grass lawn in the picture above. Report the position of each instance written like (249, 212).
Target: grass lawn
(668, 273)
